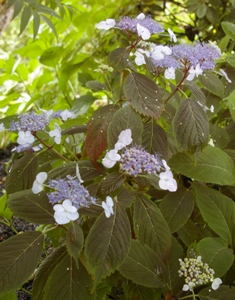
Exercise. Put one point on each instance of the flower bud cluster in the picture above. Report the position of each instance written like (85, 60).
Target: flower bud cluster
(197, 273)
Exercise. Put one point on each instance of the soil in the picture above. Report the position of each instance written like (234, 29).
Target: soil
(19, 224)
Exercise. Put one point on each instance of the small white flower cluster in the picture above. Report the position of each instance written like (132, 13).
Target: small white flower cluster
(197, 273)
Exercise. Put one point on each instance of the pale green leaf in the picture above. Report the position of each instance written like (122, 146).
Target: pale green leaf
(19, 256)
(215, 206)
(177, 208)
(125, 118)
(212, 165)
(143, 266)
(51, 56)
(107, 243)
(143, 95)
(191, 126)
(150, 226)
(229, 29)
(31, 207)
(214, 251)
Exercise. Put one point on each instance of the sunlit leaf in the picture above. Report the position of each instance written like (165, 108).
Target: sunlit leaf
(143, 95)
(107, 243)
(19, 256)
(177, 208)
(215, 206)
(33, 208)
(191, 126)
(51, 56)
(212, 165)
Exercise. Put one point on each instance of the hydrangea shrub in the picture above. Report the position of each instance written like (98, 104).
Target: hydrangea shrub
(138, 202)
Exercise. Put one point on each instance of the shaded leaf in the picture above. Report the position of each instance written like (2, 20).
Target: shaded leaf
(19, 256)
(74, 240)
(230, 100)
(26, 14)
(143, 95)
(197, 93)
(126, 196)
(212, 83)
(224, 292)
(33, 208)
(143, 266)
(212, 165)
(154, 139)
(44, 271)
(229, 29)
(125, 118)
(96, 139)
(107, 243)
(111, 182)
(50, 24)
(36, 24)
(150, 226)
(75, 129)
(215, 206)
(22, 174)
(118, 59)
(82, 104)
(177, 207)
(96, 86)
(191, 126)
(215, 252)
(18, 5)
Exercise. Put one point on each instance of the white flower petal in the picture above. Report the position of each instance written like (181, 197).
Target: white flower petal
(216, 283)
(58, 208)
(106, 25)
(78, 174)
(41, 177)
(169, 73)
(172, 35)
(141, 16)
(185, 288)
(143, 32)
(73, 215)
(61, 218)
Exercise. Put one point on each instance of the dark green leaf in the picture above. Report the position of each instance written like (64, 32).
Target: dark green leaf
(215, 206)
(143, 266)
(230, 100)
(22, 174)
(154, 139)
(143, 95)
(212, 83)
(191, 126)
(50, 24)
(223, 292)
(214, 251)
(96, 85)
(125, 118)
(75, 129)
(108, 243)
(51, 56)
(201, 11)
(26, 14)
(229, 29)
(177, 208)
(19, 256)
(150, 226)
(36, 24)
(18, 5)
(74, 240)
(212, 165)
(111, 182)
(118, 59)
(197, 93)
(82, 104)
(33, 208)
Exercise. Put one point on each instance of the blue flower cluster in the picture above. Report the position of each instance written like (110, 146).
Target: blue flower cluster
(30, 122)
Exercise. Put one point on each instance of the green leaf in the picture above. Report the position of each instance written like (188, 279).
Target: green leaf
(44, 271)
(143, 95)
(201, 11)
(229, 29)
(154, 139)
(51, 56)
(223, 292)
(197, 93)
(8, 296)
(107, 243)
(215, 206)
(177, 207)
(75, 129)
(126, 196)
(82, 104)
(231, 59)
(150, 226)
(118, 59)
(18, 5)
(23, 174)
(212, 83)
(134, 291)
(96, 86)
(143, 266)
(4, 210)
(26, 14)
(214, 251)
(50, 24)
(74, 240)
(212, 165)
(96, 139)
(19, 256)
(33, 208)
(125, 118)
(191, 126)
(230, 100)
(111, 182)
(36, 24)
(66, 281)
